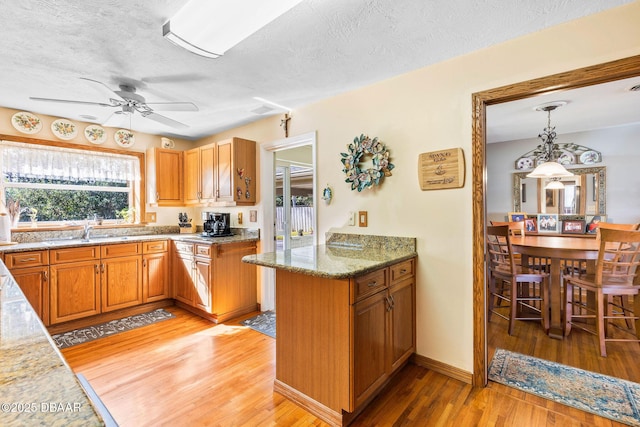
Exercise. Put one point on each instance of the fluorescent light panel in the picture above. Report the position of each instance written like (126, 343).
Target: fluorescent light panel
(211, 27)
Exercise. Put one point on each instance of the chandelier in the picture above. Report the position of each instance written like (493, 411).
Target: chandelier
(548, 153)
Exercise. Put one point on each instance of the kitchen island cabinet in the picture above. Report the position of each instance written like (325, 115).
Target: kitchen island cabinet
(346, 322)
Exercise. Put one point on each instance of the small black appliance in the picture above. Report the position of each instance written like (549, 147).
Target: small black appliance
(217, 224)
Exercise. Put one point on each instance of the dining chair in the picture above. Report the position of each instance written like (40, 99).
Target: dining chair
(617, 274)
(526, 293)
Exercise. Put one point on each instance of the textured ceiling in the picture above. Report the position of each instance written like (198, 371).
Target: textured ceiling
(318, 49)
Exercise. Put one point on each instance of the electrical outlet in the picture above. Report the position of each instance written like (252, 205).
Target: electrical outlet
(151, 217)
(362, 219)
(352, 218)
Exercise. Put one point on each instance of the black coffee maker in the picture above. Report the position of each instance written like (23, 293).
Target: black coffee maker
(217, 224)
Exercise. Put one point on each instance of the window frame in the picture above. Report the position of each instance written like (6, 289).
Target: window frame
(138, 194)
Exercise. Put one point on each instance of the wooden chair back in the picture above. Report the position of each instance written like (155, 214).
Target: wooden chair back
(499, 249)
(515, 228)
(618, 261)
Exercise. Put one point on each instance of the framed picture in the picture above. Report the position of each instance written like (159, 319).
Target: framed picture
(516, 216)
(548, 223)
(531, 225)
(573, 226)
(550, 198)
(592, 223)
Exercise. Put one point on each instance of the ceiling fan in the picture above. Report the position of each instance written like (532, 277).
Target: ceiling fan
(128, 102)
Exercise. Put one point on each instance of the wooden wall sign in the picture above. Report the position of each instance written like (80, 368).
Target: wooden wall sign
(438, 170)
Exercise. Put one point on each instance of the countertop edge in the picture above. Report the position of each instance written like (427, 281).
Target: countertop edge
(250, 259)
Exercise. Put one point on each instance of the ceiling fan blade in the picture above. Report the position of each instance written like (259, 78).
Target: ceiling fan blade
(104, 86)
(173, 106)
(162, 119)
(68, 101)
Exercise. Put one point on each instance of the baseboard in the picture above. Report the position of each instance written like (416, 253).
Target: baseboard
(106, 317)
(442, 368)
(326, 414)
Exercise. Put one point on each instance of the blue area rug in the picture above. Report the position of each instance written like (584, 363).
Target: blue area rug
(79, 336)
(263, 322)
(608, 397)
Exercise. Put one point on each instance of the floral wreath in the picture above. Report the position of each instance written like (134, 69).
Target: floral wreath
(359, 178)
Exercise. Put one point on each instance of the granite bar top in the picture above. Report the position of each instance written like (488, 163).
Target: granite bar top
(343, 256)
(37, 387)
(244, 235)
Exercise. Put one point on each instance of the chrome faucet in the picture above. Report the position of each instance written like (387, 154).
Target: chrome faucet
(86, 232)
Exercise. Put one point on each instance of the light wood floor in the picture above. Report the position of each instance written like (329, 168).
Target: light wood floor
(189, 372)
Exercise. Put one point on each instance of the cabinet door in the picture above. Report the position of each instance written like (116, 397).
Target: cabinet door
(402, 318)
(182, 267)
(207, 173)
(370, 345)
(121, 282)
(168, 177)
(74, 290)
(224, 172)
(202, 283)
(34, 283)
(235, 282)
(192, 192)
(155, 279)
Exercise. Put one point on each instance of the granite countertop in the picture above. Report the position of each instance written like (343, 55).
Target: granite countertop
(54, 243)
(344, 256)
(38, 387)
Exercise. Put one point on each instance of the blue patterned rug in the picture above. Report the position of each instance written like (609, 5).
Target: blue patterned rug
(79, 336)
(608, 397)
(263, 322)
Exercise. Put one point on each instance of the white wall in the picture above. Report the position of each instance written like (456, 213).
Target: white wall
(428, 110)
(620, 150)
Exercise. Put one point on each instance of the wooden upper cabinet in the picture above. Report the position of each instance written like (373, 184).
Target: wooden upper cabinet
(165, 176)
(236, 171)
(199, 175)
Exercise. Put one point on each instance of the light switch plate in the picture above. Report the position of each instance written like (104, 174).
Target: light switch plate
(362, 219)
(352, 218)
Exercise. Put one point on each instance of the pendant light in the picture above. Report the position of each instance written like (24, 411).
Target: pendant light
(549, 168)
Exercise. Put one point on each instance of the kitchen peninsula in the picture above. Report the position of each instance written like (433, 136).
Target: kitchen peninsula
(345, 320)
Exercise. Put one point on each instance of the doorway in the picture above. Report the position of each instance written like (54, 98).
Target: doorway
(268, 153)
(602, 73)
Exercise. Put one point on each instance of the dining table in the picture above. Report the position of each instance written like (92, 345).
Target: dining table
(560, 251)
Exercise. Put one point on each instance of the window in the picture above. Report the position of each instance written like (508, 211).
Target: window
(59, 184)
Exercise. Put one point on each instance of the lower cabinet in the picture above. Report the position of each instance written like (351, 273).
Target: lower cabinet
(363, 332)
(75, 285)
(155, 271)
(34, 283)
(213, 279)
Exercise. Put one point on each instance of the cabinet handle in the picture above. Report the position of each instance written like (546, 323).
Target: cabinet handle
(372, 284)
(144, 263)
(389, 305)
(393, 301)
(157, 195)
(403, 270)
(102, 268)
(97, 268)
(45, 275)
(27, 259)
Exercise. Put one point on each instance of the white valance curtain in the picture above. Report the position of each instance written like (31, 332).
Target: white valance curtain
(44, 162)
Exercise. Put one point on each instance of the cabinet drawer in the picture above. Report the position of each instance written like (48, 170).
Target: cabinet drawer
(204, 250)
(120, 249)
(370, 283)
(182, 247)
(26, 259)
(83, 253)
(402, 270)
(154, 247)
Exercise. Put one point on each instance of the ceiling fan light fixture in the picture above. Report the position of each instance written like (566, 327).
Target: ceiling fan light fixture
(209, 28)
